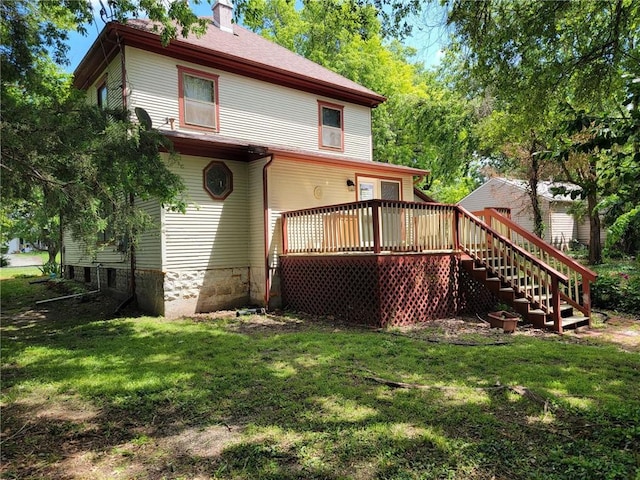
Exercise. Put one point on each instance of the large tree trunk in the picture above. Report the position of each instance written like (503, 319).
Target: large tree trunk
(595, 245)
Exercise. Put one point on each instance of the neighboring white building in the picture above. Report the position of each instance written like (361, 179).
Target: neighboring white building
(560, 226)
(260, 130)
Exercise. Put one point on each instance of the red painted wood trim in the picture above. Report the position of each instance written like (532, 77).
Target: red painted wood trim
(208, 76)
(333, 106)
(85, 74)
(285, 239)
(561, 276)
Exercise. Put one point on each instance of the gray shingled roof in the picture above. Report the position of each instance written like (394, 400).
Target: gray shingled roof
(250, 47)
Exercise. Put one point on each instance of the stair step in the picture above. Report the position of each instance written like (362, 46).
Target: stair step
(567, 322)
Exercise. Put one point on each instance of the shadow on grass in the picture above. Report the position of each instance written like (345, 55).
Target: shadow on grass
(148, 398)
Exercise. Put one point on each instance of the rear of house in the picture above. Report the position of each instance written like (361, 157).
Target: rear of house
(260, 131)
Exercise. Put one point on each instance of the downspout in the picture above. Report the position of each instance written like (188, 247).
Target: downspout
(266, 227)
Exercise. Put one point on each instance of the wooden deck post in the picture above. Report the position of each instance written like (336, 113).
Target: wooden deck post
(375, 207)
(285, 238)
(456, 229)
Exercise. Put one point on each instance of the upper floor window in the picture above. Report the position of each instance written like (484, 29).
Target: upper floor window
(331, 131)
(101, 91)
(198, 99)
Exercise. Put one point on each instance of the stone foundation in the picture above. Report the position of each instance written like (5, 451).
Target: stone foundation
(174, 293)
(189, 292)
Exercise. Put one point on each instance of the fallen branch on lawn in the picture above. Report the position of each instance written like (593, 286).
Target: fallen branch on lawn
(518, 389)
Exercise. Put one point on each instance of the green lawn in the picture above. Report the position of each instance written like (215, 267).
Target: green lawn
(84, 396)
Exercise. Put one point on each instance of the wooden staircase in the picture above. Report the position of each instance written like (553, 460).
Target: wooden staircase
(545, 291)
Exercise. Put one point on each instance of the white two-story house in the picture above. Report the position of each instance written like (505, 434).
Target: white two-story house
(260, 131)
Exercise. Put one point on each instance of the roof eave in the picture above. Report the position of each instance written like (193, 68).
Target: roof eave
(89, 68)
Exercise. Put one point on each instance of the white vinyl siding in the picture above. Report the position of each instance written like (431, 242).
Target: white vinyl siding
(255, 231)
(212, 233)
(296, 185)
(149, 250)
(114, 84)
(251, 110)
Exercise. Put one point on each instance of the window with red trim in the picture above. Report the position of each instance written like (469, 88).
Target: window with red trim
(331, 126)
(198, 99)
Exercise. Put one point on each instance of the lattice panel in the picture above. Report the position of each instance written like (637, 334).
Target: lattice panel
(416, 288)
(474, 296)
(381, 290)
(345, 287)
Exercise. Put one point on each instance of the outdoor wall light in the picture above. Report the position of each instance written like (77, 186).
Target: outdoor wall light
(350, 185)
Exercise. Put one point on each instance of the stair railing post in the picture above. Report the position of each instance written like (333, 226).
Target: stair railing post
(555, 299)
(586, 297)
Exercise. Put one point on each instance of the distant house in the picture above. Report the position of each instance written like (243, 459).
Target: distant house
(260, 129)
(560, 226)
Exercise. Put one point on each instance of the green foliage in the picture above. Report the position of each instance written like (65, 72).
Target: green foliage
(51, 269)
(618, 288)
(623, 236)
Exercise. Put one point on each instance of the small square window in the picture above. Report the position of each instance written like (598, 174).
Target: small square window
(198, 99)
(331, 126)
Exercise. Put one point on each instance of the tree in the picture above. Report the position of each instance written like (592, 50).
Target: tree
(537, 56)
(60, 156)
(532, 50)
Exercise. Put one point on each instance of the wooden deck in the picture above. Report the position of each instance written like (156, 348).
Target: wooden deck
(542, 283)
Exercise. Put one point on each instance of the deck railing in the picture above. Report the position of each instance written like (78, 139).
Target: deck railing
(577, 291)
(370, 226)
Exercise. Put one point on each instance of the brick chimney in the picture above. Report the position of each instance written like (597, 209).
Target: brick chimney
(222, 15)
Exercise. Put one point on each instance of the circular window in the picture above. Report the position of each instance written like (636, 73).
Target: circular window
(218, 180)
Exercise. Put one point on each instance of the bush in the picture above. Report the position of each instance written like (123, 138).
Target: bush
(630, 301)
(4, 261)
(605, 292)
(619, 291)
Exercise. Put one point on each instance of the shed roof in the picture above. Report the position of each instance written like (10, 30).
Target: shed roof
(545, 188)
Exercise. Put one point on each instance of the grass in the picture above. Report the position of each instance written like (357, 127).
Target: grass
(85, 396)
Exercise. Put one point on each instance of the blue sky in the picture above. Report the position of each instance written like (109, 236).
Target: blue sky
(426, 39)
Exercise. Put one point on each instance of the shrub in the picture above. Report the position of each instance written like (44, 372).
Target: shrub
(630, 299)
(619, 291)
(605, 292)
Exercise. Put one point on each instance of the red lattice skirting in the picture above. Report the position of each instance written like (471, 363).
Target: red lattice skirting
(377, 290)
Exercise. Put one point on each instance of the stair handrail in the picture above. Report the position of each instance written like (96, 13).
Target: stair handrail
(556, 276)
(587, 274)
